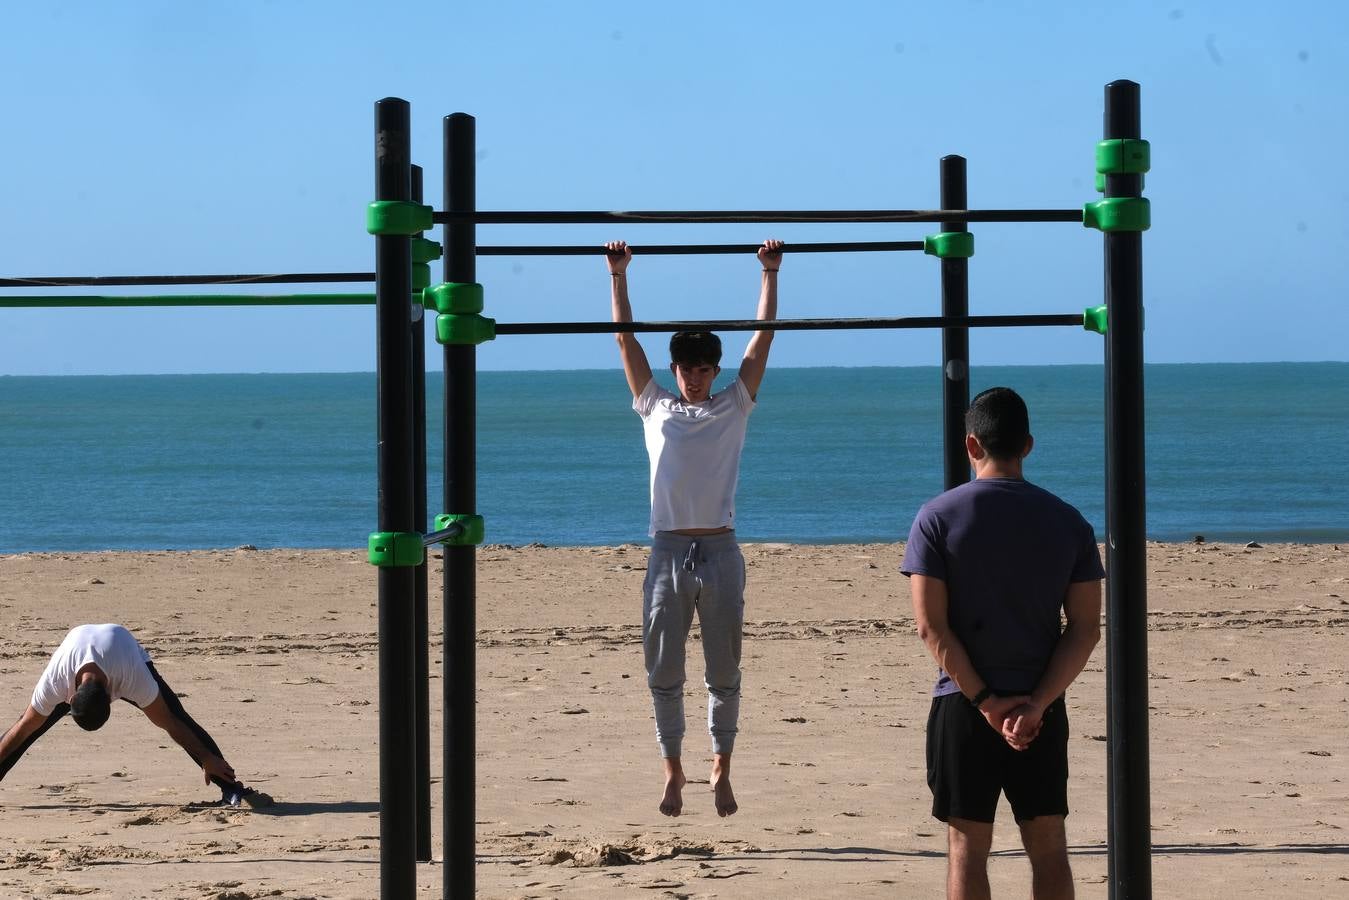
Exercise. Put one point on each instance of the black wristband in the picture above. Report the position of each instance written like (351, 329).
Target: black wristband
(981, 696)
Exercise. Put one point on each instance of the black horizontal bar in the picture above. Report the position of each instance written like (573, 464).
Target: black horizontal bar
(747, 216)
(1074, 319)
(708, 249)
(148, 280)
(366, 277)
(56, 302)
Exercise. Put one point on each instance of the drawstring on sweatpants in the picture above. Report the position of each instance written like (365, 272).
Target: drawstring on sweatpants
(691, 558)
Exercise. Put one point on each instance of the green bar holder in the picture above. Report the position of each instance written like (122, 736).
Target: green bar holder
(1094, 319)
(472, 525)
(1123, 156)
(1118, 214)
(462, 298)
(457, 328)
(421, 277)
(396, 549)
(394, 217)
(425, 250)
(949, 245)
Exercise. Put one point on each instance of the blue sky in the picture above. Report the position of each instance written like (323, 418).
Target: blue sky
(168, 137)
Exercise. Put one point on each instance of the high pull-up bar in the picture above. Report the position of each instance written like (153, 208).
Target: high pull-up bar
(703, 217)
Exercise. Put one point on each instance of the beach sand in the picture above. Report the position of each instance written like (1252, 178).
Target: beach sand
(275, 653)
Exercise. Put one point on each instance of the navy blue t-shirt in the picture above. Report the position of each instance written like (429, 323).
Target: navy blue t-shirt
(1007, 551)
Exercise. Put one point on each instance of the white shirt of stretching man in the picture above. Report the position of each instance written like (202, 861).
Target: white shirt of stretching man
(116, 653)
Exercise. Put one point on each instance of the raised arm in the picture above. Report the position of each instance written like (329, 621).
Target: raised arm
(211, 764)
(756, 354)
(635, 365)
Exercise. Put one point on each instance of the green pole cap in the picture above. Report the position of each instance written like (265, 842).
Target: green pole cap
(454, 297)
(472, 525)
(456, 328)
(1123, 156)
(1094, 319)
(949, 245)
(425, 250)
(395, 217)
(1118, 214)
(396, 549)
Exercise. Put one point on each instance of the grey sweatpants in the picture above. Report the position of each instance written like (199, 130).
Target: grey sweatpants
(707, 574)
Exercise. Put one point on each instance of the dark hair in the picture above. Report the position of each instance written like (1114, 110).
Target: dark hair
(91, 706)
(998, 418)
(695, 348)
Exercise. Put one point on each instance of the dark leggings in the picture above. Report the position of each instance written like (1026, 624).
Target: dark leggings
(170, 700)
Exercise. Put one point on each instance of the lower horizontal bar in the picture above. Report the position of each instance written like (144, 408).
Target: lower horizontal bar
(703, 249)
(1073, 319)
(190, 300)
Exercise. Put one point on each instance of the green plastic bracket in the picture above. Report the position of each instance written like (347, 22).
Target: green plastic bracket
(949, 245)
(455, 328)
(1094, 319)
(1123, 156)
(1118, 214)
(1100, 182)
(397, 217)
(463, 298)
(396, 549)
(421, 277)
(473, 528)
(425, 250)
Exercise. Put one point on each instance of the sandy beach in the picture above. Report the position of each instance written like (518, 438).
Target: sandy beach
(275, 653)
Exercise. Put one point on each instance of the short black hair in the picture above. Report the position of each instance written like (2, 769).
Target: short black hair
(91, 706)
(695, 348)
(999, 419)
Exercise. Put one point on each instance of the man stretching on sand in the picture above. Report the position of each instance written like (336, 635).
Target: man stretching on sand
(97, 664)
(991, 564)
(694, 441)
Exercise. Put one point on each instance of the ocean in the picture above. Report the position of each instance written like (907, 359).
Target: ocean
(1235, 452)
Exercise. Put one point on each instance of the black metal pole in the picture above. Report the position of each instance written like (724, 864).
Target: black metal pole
(460, 594)
(421, 624)
(393, 288)
(955, 340)
(1130, 864)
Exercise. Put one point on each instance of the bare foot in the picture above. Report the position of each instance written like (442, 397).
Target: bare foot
(722, 794)
(672, 804)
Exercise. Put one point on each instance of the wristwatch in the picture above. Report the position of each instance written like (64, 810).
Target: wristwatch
(980, 697)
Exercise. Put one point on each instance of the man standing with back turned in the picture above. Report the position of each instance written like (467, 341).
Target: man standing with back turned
(694, 441)
(991, 564)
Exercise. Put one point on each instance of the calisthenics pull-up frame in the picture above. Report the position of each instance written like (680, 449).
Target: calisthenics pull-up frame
(1122, 215)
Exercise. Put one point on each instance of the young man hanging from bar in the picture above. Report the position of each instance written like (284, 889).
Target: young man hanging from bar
(97, 664)
(694, 439)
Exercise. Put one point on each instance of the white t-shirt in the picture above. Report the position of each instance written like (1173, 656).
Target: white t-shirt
(695, 455)
(116, 653)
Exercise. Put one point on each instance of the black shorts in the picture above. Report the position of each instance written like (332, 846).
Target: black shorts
(969, 764)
